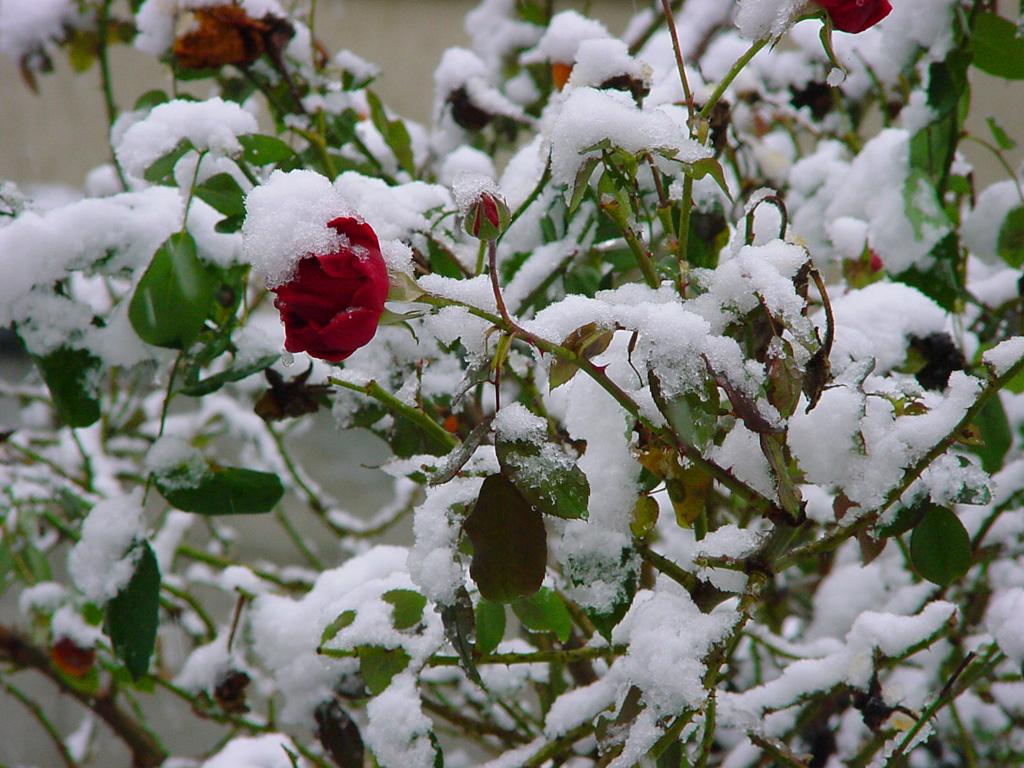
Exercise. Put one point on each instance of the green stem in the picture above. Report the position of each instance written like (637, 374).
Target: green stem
(37, 712)
(559, 745)
(396, 406)
(683, 238)
(297, 539)
(102, 46)
(671, 23)
(726, 81)
(223, 562)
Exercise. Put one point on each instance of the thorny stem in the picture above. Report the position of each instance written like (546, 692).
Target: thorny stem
(723, 476)
(671, 23)
(559, 745)
(492, 268)
(393, 404)
(146, 751)
(472, 725)
(683, 238)
(195, 605)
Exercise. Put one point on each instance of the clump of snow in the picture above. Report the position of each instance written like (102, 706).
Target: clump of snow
(980, 229)
(286, 220)
(903, 214)
(1004, 619)
(461, 68)
(563, 37)
(398, 732)
(207, 665)
(175, 462)
(269, 750)
(1004, 355)
(469, 188)
(600, 59)
(103, 560)
(590, 116)
(28, 25)
(211, 126)
(758, 19)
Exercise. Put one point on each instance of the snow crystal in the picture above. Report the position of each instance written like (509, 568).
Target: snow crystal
(469, 188)
(515, 422)
(590, 116)
(103, 560)
(213, 125)
(758, 19)
(286, 220)
(1004, 355)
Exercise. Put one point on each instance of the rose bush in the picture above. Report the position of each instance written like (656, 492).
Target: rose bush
(333, 303)
(855, 15)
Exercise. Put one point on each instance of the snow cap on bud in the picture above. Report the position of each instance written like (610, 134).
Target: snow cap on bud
(485, 214)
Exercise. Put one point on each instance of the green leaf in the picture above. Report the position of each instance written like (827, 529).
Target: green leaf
(226, 491)
(133, 613)
(174, 296)
(72, 376)
(224, 194)
(459, 622)
(490, 625)
(940, 547)
(582, 182)
(259, 149)
(165, 164)
(997, 49)
(394, 132)
(544, 612)
(693, 416)
(407, 607)
(1010, 245)
(150, 99)
(1003, 141)
(548, 478)
(509, 542)
(906, 518)
(331, 630)
(709, 166)
(995, 434)
(378, 665)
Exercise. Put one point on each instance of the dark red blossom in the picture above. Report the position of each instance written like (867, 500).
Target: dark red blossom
(333, 303)
(855, 15)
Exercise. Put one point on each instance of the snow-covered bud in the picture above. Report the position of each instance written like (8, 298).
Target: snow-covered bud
(485, 214)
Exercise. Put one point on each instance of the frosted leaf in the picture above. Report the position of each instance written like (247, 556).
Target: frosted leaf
(103, 561)
(175, 462)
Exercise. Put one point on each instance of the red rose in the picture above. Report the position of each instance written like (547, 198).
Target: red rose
(332, 305)
(855, 15)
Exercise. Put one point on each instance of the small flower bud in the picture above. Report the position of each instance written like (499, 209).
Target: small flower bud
(484, 211)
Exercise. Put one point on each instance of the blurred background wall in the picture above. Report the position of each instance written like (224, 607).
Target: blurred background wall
(58, 135)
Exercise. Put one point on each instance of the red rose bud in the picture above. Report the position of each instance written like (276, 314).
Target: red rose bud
(855, 15)
(487, 216)
(333, 303)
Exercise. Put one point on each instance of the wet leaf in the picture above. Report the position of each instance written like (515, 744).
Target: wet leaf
(226, 491)
(509, 542)
(345, 618)
(940, 547)
(133, 613)
(407, 607)
(174, 296)
(379, 665)
(490, 625)
(548, 478)
(72, 376)
(544, 612)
